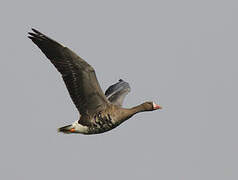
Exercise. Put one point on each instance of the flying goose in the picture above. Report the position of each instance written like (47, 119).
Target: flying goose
(99, 112)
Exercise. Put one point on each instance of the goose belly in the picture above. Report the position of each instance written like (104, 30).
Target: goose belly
(102, 123)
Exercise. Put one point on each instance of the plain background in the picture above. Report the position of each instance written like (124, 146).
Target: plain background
(180, 54)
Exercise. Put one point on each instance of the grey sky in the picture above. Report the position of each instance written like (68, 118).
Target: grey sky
(180, 54)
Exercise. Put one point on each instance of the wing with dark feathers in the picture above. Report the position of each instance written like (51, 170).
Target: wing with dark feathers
(78, 75)
(116, 93)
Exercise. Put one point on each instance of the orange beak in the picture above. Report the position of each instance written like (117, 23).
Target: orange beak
(156, 106)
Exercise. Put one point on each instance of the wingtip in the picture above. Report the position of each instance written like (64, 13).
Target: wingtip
(35, 31)
(31, 35)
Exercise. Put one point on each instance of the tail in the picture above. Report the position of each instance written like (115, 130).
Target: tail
(66, 129)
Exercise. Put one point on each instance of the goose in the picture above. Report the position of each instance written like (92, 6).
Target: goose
(98, 112)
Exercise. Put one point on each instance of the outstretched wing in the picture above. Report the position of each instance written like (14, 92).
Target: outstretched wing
(78, 75)
(116, 93)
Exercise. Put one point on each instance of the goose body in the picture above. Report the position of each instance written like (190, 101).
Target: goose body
(99, 112)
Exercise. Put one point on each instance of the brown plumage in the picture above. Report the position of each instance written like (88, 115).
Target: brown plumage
(99, 112)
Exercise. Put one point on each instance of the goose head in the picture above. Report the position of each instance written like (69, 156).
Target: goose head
(151, 106)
